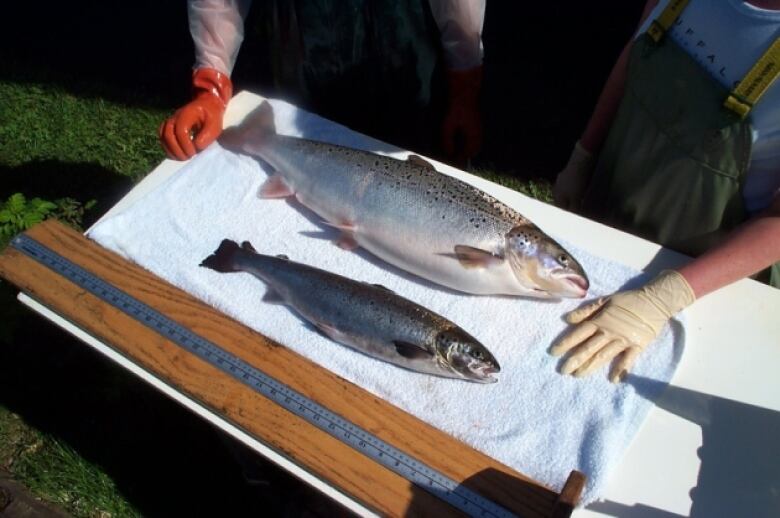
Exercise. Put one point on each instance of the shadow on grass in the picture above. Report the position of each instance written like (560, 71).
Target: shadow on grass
(53, 179)
(545, 65)
(136, 53)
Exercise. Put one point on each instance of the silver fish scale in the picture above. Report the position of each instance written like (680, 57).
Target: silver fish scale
(405, 175)
(354, 307)
(408, 215)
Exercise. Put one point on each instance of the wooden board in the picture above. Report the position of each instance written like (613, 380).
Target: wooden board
(328, 458)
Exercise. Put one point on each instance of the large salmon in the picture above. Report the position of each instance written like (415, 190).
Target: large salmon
(412, 216)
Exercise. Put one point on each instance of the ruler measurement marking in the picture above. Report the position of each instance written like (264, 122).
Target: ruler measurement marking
(326, 420)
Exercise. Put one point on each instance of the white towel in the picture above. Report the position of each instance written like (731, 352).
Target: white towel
(534, 419)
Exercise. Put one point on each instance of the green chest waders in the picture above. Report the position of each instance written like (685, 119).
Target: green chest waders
(674, 163)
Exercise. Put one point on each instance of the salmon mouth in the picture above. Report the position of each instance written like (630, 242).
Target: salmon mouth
(579, 284)
(484, 373)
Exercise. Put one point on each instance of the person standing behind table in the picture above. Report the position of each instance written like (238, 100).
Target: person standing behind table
(358, 54)
(683, 148)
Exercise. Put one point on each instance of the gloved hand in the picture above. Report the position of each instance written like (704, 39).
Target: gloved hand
(198, 123)
(624, 323)
(461, 132)
(571, 182)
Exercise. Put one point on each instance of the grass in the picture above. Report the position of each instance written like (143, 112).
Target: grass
(56, 472)
(45, 122)
(84, 431)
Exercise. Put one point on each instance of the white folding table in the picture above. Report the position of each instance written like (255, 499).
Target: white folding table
(710, 445)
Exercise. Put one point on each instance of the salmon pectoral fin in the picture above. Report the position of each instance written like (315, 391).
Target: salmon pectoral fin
(412, 351)
(275, 187)
(471, 257)
(420, 161)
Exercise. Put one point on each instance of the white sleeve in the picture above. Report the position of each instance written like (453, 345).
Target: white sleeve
(460, 23)
(217, 28)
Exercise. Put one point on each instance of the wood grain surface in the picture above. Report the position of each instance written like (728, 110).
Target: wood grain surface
(328, 458)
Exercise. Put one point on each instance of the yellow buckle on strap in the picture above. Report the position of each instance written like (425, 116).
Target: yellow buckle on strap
(660, 25)
(756, 82)
(739, 107)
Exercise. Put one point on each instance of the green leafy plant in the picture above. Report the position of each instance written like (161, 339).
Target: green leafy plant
(17, 214)
(72, 211)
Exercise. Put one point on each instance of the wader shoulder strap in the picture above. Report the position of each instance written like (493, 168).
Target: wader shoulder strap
(756, 82)
(660, 25)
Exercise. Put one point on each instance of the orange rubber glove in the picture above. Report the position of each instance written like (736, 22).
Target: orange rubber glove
(461, 132)
(197, 124)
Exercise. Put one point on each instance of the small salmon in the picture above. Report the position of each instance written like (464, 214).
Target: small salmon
(366, 317)
(412, 216)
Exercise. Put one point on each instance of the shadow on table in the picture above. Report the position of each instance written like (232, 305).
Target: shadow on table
(740, 455)
(611, 508)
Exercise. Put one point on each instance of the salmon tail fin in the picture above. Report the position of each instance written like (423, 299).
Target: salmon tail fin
(223, 259)
(253, 131)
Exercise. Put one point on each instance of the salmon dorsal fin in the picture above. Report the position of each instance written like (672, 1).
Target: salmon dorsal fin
(420, 161)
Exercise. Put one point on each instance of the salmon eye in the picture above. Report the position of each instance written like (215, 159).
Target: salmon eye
(563, 260)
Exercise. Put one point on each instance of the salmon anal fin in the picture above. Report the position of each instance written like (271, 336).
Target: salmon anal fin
(347, 242)
(272, 297)
(275, 187)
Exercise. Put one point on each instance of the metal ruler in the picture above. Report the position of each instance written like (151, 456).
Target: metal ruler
(361, 440)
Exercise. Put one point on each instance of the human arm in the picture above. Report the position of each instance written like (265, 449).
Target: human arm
(621, 326)
(749, 249)
(460, 25)
(217, 29)
(571, 182)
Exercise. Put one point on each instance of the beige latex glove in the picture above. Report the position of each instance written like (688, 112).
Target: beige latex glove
(622, 324)
(571, 182)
